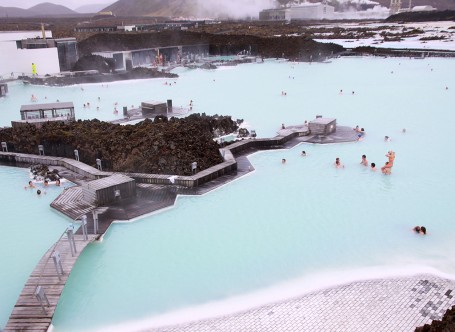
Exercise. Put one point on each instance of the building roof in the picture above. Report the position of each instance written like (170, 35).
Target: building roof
(323, 120)
(153, 103)
(50, 106)
(108, 182)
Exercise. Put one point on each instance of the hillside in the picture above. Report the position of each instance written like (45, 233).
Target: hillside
(45, 9)
(446, 15)
(171, 8)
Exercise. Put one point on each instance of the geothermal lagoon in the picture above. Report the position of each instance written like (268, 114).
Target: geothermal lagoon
(281, 231)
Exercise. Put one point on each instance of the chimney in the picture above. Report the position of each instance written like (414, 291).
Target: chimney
(43, 32)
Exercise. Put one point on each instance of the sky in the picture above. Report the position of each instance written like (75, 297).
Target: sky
(72, 4)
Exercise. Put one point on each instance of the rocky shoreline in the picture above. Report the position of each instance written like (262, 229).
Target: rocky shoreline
(162, 146)
(85, 78)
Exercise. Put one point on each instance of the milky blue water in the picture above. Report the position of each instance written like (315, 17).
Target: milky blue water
(28, 228)
(295, 224)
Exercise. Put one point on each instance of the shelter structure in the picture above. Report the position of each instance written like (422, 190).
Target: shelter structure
(38, 114)
(322, 126)
(154, 107)
(109, 189)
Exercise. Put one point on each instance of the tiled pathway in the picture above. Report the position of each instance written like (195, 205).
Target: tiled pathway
(393, 305)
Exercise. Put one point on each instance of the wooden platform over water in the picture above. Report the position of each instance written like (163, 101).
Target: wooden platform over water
(28, 314)
(72, 204)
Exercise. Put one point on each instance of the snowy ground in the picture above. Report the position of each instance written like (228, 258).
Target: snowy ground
(445, 30)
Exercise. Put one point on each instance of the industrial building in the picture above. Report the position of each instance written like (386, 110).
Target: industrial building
(49, 55)
(299, 11)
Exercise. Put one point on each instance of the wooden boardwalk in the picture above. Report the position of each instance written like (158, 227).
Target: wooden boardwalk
(28, 314)
(71, 203)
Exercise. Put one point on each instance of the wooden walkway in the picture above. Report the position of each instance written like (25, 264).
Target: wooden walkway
(28, 314)
(71, 203)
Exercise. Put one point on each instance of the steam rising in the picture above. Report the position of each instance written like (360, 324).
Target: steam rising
(233, 8)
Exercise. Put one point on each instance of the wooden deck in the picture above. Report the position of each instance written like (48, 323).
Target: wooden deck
(71, 203)
(28, 314)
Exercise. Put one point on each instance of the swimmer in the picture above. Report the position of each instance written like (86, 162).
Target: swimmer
(386, 139)
(303, 153)
(364, 160)
(341, 92)
(99, 99)
(46, 183)
(404, 131)
(38, 192)
(391, 156)
(57, 182)
(353, 93)
(283, 126)
(373, 167)
(30, 184)
(97, 108)
(357, 128)
(416, 229)
(423, 230)
(386, 169)
(283, 161)
(338, 163)
(88, 105)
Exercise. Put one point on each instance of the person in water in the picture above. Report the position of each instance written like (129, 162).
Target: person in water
(303, 153)
(364, 160)
(373, 166)
(391, 156)
(283, 161)
(387, 168)
(420, 230)
(338, 163)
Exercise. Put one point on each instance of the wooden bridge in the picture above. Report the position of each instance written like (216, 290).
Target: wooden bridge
(33, 311)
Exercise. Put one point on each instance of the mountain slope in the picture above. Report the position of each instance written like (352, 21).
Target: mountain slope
(45, 9)
(13, 12)
(153, 8)
(50, 9)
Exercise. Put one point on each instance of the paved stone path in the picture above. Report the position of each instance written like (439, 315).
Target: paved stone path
(393, 305)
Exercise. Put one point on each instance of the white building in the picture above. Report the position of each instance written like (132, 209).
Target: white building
(302, 11)
(19, 61)
(423, 8)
